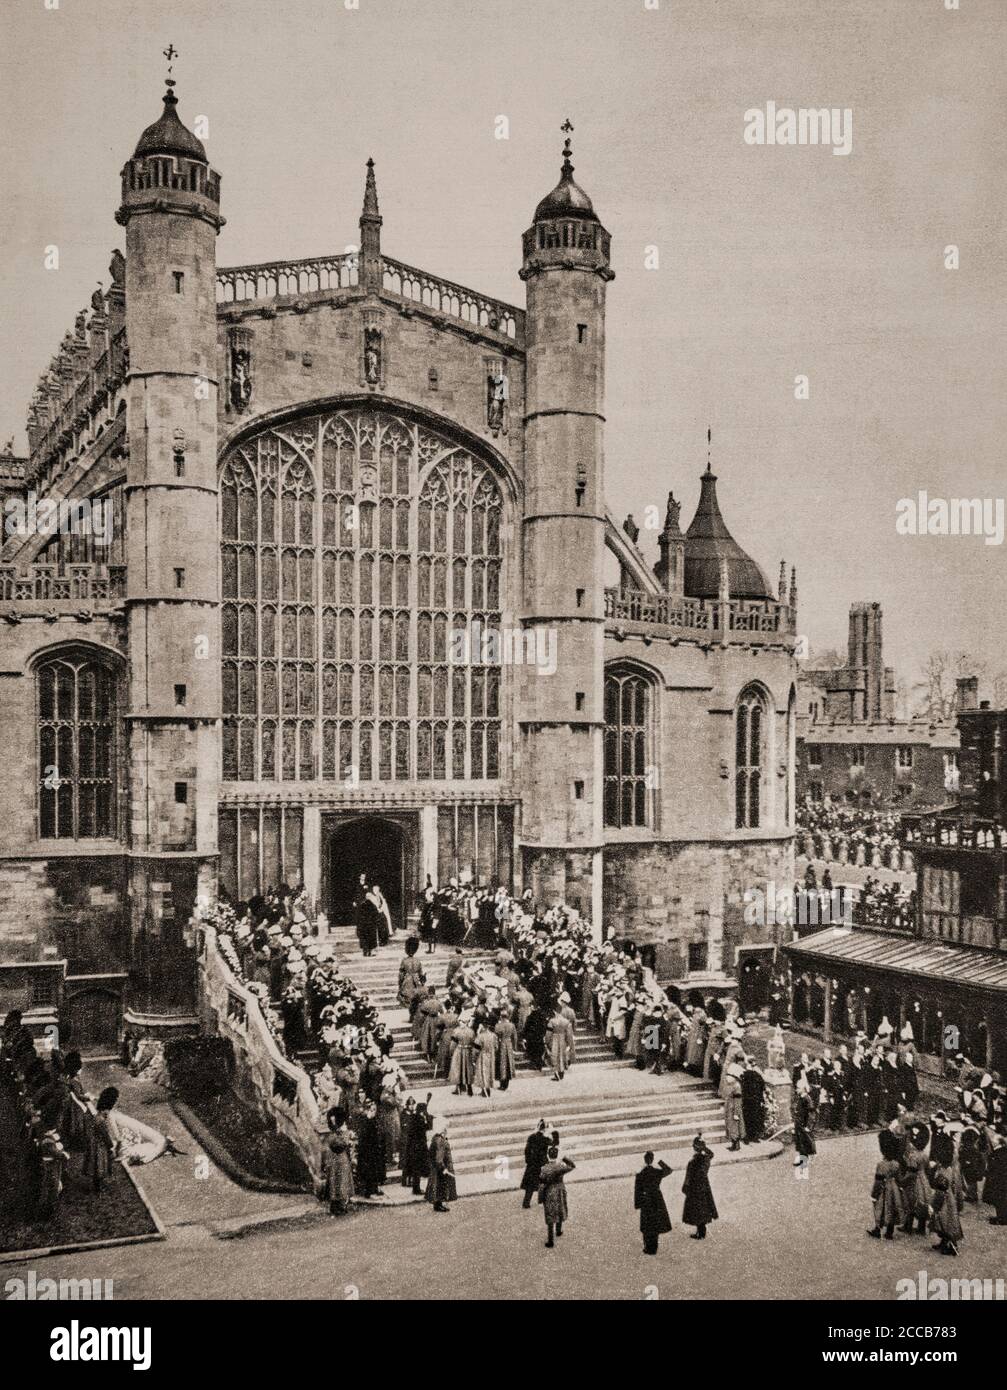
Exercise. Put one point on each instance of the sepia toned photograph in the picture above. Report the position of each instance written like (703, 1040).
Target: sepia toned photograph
(503, 666)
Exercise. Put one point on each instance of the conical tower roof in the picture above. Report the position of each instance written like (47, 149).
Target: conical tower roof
(708, 543)
(168, 135)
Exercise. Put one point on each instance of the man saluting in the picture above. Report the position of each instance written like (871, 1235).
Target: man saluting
(649, 1201)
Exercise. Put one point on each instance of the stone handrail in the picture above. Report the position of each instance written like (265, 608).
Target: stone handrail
(696, 614)
(457, 302)
(278, 1088)
(273, 279)
(83, 583)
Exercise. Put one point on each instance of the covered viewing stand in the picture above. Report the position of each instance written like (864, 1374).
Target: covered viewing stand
(953, 997)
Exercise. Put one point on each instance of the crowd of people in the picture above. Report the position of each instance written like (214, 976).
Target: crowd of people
(931, 1169)
(876, 832)
(887, 906)
(63, 1137)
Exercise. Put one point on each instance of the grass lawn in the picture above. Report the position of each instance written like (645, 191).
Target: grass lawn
(111, 1214)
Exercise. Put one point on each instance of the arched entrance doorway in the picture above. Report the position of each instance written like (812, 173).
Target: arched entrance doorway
(370, 846)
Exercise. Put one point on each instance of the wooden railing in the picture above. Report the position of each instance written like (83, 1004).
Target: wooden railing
(948, 832)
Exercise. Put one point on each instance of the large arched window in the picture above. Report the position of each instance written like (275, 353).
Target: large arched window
(627, 749)
(749, 760)
(356, 546)
(76, 748)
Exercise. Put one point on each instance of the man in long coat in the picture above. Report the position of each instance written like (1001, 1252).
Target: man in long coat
(699, 1208)
(560, 1031)
(552, 1194)
(441, 1186)
(649, 1202)
(752, 1101)
(536, 1148)
(365, 917)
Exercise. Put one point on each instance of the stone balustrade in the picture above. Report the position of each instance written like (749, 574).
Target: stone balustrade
(279, 1089)
(276, 279)
(755, 618)
(72, 584)
(454, 301)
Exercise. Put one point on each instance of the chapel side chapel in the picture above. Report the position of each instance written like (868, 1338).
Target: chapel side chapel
(318, 472)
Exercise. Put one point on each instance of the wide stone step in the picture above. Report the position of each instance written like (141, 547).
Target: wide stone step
(662, 1139)
(644, 1110)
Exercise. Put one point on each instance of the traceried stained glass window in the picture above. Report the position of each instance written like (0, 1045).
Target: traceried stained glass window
(361, 571)
(627, 739)
(76, 749)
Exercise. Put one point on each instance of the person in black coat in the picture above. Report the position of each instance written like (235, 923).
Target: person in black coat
(871, 1113)
(908, 1081)
(365, 918)
(942, 1145)
(891, 1087)
(416, 1125)
(371, 1169)
(699, 1208)
(649, 1202)
(753, 1089)
(535, 1150)
(535, 1028)
(995, 1187)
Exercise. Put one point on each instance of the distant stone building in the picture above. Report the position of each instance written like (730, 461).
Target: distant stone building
(351, 615)
(851, 747)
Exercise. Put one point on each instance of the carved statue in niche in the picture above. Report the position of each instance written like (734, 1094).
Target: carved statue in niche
(372, 356)
(497, 396)
(241, 368)
(178, 452)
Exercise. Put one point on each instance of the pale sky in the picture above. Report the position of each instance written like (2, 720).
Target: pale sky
(773, 262)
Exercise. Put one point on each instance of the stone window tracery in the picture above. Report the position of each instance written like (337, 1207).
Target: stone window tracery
(76, 748)
(355, 547)
(628, 800)
(749, 758)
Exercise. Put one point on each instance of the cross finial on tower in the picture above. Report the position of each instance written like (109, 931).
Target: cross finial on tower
(170, 53)
(709, 442)
(567, 129)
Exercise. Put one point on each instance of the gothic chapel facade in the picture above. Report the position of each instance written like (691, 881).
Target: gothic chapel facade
(319, 474)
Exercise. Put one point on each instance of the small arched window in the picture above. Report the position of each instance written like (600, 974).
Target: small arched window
(76, 749)
(749, 757)
(627, 749)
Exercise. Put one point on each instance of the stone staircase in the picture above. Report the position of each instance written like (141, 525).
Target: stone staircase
(591, 1126)
(603, 1108)
(378, 977)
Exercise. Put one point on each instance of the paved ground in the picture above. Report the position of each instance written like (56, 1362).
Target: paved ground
(777, 1238)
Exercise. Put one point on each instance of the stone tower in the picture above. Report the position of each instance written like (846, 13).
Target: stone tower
(566, 270)
(170, 210)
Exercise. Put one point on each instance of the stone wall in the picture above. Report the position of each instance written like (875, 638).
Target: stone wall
(673, 895)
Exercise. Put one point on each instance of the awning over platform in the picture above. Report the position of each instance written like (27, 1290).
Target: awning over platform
(938, 961)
